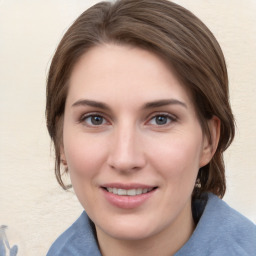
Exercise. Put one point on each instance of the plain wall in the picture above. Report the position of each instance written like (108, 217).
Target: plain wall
(32, 204)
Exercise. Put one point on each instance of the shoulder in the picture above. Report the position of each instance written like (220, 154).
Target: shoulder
(222, 230)
(232, 228)
(77, 240)
(219, 214)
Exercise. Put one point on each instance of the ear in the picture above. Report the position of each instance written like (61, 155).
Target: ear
(63, 157)
(211, 141)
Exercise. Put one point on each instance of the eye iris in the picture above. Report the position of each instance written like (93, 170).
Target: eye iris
(96, 120)
(160, 120)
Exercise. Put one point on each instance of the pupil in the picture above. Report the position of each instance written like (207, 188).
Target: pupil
(97, 120)
(161, 120)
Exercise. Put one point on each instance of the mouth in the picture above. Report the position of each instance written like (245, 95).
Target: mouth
(128, 196)
(128, 192)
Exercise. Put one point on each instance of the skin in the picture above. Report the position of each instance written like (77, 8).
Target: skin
(130, 140)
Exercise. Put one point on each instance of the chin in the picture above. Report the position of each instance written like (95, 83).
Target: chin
(129, 229)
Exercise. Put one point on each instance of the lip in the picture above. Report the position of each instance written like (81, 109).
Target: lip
(127, 202)
(126, 186)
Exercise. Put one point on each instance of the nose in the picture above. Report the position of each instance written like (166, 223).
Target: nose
(126, 151)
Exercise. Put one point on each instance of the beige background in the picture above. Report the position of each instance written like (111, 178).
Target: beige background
(31, 202)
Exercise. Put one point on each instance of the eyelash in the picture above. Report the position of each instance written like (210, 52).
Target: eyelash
(166, 116)
(92, 115)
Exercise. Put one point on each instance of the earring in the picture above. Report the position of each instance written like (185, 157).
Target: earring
(64, 162)
(198, 183)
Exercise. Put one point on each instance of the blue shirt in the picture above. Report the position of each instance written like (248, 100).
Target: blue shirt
(220, 231)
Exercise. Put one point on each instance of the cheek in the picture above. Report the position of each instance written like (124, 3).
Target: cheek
(84, 155)
(85, 159)
(178, 158)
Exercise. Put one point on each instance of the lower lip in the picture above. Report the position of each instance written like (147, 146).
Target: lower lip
(127, 202)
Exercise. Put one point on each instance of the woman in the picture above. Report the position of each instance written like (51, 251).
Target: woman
(138, 110)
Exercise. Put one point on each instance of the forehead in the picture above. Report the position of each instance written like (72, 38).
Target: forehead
(125, 73)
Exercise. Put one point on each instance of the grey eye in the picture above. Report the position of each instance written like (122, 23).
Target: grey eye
(97, 120)
(161, 120)
(94, 120)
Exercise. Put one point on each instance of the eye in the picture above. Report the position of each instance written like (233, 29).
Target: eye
(93, 120)
(161, 119)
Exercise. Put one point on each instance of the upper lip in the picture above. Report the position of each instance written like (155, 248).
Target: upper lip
(127, 186)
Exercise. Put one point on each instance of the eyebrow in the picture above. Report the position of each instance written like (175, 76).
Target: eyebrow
(92, 103)
(153, 104)
(160, 103)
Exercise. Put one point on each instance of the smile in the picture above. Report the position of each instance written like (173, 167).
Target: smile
(128, 196)
(128, 192)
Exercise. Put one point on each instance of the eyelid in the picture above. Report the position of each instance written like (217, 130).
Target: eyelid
(94, 113)
(173, 117)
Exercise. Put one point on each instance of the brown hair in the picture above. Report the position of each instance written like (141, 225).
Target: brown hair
(173, 33)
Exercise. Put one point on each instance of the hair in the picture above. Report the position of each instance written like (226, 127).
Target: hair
(173, 33)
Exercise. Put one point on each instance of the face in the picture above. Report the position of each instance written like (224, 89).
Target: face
(132, 142)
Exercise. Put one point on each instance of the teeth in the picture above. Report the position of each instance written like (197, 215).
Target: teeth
(131, 192)
(121, 192)
(144, 190)
(139, 191)
(128, 192)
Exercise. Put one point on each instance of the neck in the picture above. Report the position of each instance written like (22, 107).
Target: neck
(164, 243)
